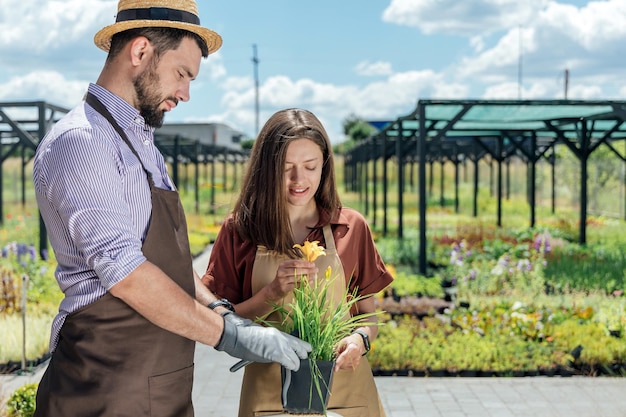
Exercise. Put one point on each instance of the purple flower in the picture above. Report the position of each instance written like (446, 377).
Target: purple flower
(32, 252)
(21, 250)
(542, 243)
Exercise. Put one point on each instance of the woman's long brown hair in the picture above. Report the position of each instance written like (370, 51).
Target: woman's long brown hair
(260, 213)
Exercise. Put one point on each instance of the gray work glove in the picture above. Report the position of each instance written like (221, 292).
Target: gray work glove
(244, 339)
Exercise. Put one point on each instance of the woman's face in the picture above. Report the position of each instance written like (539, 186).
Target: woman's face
(303, 171)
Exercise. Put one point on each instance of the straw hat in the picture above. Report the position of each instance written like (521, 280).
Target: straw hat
(181, 14)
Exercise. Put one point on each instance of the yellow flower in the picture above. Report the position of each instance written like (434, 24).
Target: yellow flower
(329, 270)
(311, 250)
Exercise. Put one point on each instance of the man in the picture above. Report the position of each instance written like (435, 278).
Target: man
(123, 341)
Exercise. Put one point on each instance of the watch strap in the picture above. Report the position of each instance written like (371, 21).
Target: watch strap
(366, 341)
(221, 303)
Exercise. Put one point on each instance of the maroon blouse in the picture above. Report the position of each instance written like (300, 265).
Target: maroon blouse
(229, 271)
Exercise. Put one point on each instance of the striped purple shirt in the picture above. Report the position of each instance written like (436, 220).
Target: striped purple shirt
(94, 198)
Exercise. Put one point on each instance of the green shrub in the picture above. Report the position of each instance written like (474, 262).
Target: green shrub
(22, 402)
(407, 284)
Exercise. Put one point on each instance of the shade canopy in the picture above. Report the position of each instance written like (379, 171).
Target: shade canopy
(459, 130)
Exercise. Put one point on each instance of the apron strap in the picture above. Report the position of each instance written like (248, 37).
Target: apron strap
(329, 239)
(100, 108)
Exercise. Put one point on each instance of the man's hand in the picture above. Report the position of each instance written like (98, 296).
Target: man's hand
(249, 341)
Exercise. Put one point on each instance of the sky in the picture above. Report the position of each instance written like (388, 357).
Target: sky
(371, 59)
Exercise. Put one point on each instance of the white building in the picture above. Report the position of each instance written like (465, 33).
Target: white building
(217, 134)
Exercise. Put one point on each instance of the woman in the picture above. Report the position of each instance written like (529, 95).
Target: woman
(289, 196)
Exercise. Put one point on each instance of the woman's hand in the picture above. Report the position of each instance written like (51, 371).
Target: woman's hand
(288, 275)
(351, 348)
(349, 352)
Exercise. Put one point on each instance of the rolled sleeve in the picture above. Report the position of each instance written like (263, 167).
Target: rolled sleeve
(101, 229)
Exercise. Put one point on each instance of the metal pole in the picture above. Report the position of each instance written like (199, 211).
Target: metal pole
(23, 307)
(421, 150)
(519, 65)
(255, 60)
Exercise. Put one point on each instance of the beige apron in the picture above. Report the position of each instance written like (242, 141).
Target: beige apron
(353, 392)
(110, 360)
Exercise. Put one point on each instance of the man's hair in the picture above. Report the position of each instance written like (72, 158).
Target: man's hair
(163, 39)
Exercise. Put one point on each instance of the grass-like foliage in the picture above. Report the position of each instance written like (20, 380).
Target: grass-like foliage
(311, 314)
(314, 317)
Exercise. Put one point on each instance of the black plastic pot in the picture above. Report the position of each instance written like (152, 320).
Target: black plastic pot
(301, 394)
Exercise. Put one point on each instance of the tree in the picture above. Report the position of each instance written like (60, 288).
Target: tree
(247, 144)
(357, 129)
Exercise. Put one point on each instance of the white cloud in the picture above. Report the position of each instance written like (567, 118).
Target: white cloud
(467, 17)
(477, 43)
(50, 52)
(588, 92)
(386, 99)
(42, 85)
(506, 53)
(511, 90)
(587, 41)
(372, 69)
(50, 25)
(212, 68)
(591, 26)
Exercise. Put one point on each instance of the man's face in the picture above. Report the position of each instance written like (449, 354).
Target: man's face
(163, 84)
(149, 97)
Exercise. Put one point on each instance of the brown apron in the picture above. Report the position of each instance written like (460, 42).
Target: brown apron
(353, 393)
(110, 360)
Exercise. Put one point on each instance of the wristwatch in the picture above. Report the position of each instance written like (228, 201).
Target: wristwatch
(366, 341)
(221, 303)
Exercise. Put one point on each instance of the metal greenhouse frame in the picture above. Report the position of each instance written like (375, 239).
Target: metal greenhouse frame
(462, 130)
(24, 124)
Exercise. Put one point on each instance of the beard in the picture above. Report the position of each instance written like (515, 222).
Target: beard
(149, 98)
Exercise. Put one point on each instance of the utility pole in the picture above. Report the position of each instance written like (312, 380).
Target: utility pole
(519, 64)
(255, 61)
(566, 81)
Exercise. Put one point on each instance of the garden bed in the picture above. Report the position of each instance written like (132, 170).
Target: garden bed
(500, 305)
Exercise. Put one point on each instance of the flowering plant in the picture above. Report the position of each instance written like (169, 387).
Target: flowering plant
(313, 316)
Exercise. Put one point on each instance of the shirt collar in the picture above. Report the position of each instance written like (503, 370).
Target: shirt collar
(123, 113)
(325, 218)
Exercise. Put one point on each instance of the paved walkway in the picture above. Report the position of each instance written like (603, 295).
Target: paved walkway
(216, 392)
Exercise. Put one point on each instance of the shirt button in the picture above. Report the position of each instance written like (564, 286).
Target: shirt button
(137, 120)
(146, 142)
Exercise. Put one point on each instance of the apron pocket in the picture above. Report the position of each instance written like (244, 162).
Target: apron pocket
(170, 394)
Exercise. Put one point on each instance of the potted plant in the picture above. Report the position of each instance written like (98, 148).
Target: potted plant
(312, 317)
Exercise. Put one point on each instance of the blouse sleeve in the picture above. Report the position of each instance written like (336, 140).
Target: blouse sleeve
(230, 265)
(364, 267)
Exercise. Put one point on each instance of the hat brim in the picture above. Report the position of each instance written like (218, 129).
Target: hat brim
(102, 39)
